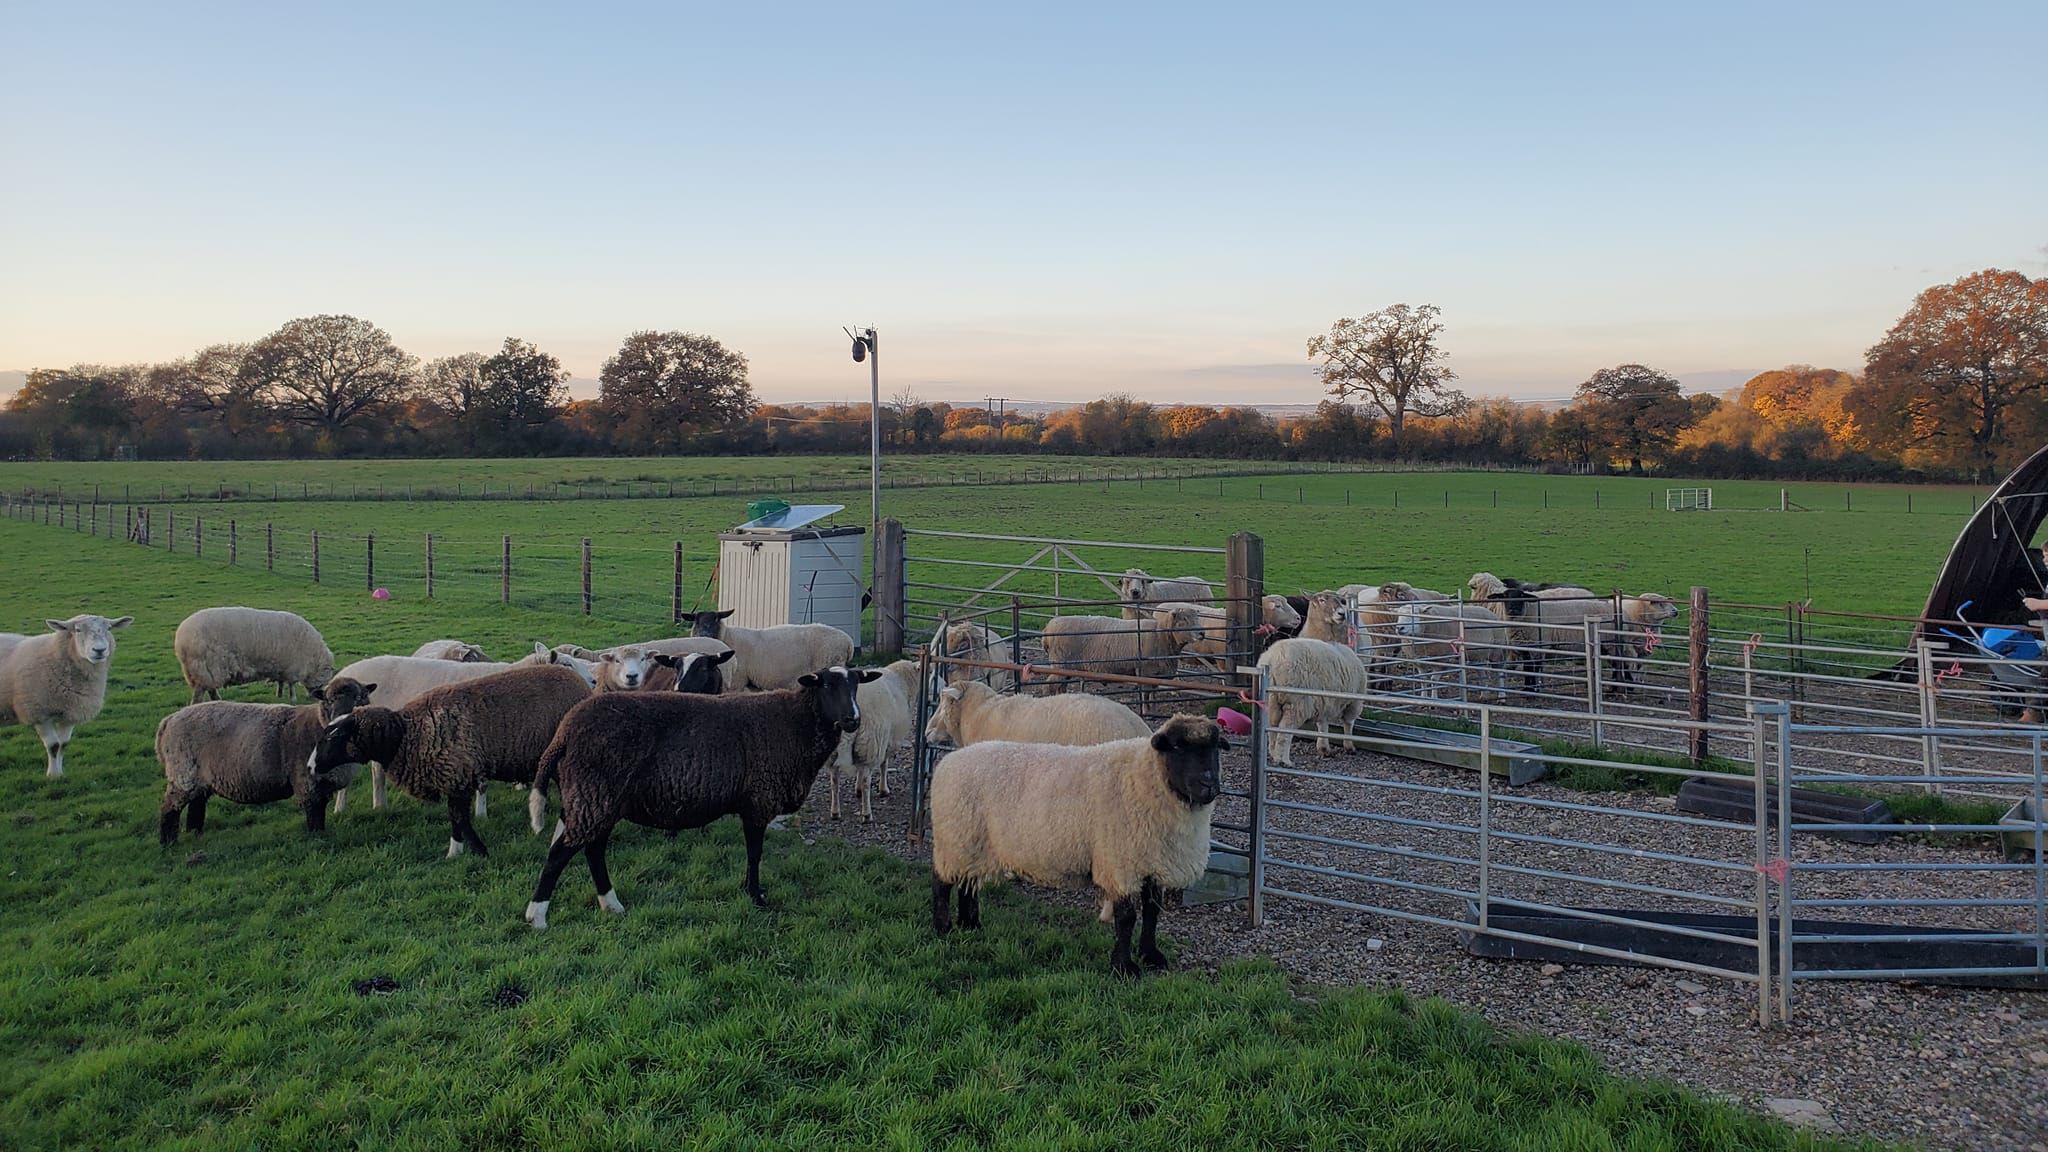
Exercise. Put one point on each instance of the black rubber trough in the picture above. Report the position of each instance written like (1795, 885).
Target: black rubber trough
(1511, 758)
(1734, 800)
(1959, 951)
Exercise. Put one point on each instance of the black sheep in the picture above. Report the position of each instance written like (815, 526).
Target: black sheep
(668, 760)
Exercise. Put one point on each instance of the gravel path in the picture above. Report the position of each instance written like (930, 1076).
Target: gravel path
(1932, 1065)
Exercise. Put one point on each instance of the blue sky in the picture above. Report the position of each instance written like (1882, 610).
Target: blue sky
(1039, 201)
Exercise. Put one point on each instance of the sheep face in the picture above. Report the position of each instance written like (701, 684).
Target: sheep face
(1190, 750)
(835, 694)
(1656, 608)
(696, 672)
(363, 736)
(1131, 589)
(92, 637)
(944, 726)
(709, 623)
(587, 669)
(341, 696)
(1486, 585)
(1326, 608)
(471, 654)
(626, 667)
(1281, 614)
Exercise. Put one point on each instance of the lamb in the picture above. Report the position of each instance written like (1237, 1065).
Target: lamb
(1136, 590)
(451, 650)
(1434, 634)
(448, 741)
(222, 647)
(1379, 623)
(733, 670)
(1318, 665)
(778, 656)
(887, 706)
(57, 680)
(1142, 647)
(250, 754)
(402, 679)
(664, 760)
(973, 714)
(970, 641)
(1131, 817)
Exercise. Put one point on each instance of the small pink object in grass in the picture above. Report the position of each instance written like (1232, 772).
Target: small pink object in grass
(1234, 722)
(381, 594)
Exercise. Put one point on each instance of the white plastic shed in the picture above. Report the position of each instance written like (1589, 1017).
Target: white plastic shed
(785, 568)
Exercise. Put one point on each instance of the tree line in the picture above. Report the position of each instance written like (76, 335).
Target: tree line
(1957, 387)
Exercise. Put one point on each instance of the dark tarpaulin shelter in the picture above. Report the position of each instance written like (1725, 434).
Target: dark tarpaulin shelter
(1994, 559)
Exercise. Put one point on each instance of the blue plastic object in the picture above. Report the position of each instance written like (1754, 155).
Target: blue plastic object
(2013, 643)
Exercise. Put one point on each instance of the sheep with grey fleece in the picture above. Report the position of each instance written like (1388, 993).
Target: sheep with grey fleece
(447, 742)
(57, 680)
(1147, 646)
(1130, 817)
(402, 679)
(776, 656)
(887, 707)
(221, 647)
(457, 650)
(968, 640)
(671, 761)
(1320, 666)
(250, 754)
(1136, 589)
(973, 714)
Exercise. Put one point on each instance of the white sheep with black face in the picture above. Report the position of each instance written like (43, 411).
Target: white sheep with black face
(57, 680)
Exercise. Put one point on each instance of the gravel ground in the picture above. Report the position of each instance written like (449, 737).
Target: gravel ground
(1935, 1066)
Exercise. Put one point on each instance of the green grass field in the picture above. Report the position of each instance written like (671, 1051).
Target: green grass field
(204, 996)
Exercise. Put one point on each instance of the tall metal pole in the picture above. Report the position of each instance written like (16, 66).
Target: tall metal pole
(874, 466)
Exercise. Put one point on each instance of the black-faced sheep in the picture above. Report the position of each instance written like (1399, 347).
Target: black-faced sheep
(776, 656)
(1138, 591)
(670, 761)
(1130, 817)
(448, 741)
(250, 754)
(57, 680)
(732, 669)
(221, 647)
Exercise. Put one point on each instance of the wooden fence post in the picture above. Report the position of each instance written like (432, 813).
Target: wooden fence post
(370, 562)
(1244, 578)
(198, 535)
(430, 565)
(889, 599)
(170, 528)
(675, 595)
(1698, 639)
(316, 555)
(586, 575)
(234, 544)
(505, 571)
(269, 548)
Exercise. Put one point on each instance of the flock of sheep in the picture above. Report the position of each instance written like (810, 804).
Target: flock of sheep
(672, 733)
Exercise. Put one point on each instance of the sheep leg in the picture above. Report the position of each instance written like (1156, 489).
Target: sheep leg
(316, 810)
(477, 806)
(377, 796)
(942, 906)
(600, 875)
(866, 782)
(559, 855)
(167, 817)
(198, 694)
(970, 907)
(461, 835)
(536, 808)
(755, 834)
(55, 737)
(1148, 933)
(1126, 918)
(195, 815)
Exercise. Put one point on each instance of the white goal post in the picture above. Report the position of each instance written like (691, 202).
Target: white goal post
(1688, 499)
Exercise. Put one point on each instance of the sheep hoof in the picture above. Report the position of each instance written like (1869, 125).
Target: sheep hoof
(537, 914)
(454, 848)
(1154, 960)
(611, 903)
(1123, 966)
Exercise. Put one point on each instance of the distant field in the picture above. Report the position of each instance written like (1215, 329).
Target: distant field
(214, 995)
(1433, 529)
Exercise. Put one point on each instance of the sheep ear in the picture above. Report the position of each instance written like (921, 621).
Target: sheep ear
(121, 622)
(317, 693)
(59, 625)
(952, 692)
(869, 676)
(369, 689)
(726, 613)
(661, 658)
(722, 657)
(540, 649)
(607, 658)
(1160, 742)
(807, 680)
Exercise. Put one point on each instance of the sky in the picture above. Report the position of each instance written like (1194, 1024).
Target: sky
(1042, 201)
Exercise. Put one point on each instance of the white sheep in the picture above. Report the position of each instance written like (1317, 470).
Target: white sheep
(967, 640)
(1137, 589)
(1130, 817)
(57, 680)
(1445, 636)
(1276, 615)
(1147, 646)
(401, 679)
(1549, 620)
(973, 714)
(1643, 619)
(777, 656)
(732, 669)
(1323, 667)
(221, 647)
(451, 650)
(887, 713)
